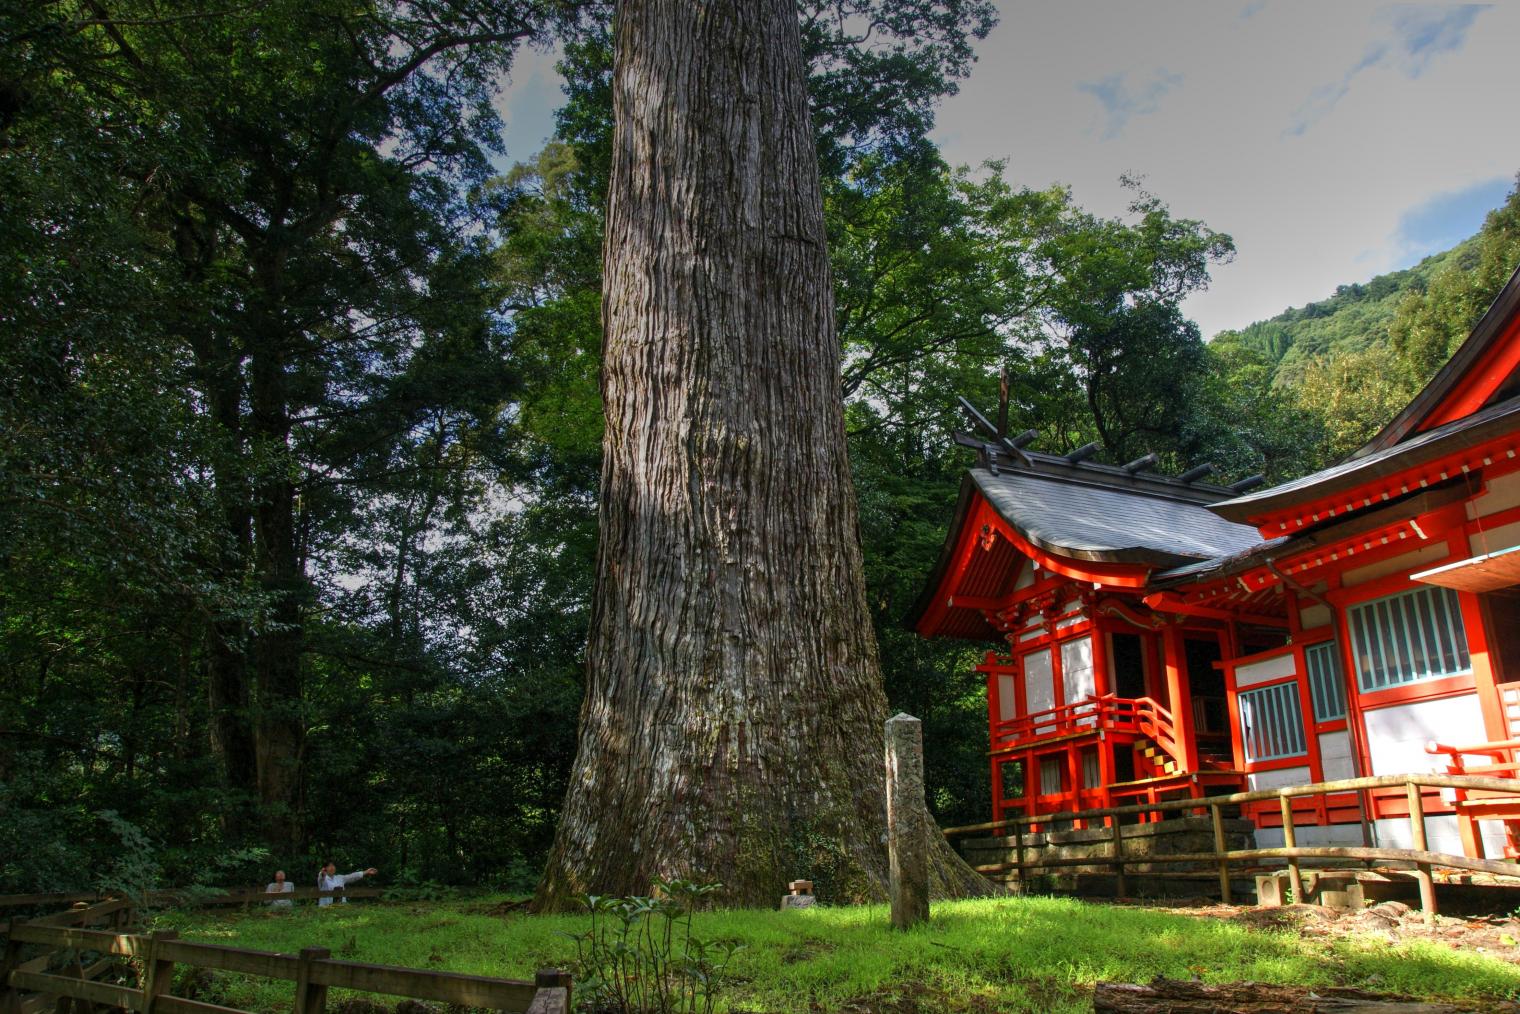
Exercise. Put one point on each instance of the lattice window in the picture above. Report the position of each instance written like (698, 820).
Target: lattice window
(1415, 635)
(1326, 688)
(1092, 773)
(1052, 776)
(1273, 721)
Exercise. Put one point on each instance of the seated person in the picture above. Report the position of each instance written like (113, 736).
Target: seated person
(279, 885)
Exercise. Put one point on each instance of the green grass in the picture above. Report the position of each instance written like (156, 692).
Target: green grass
(1010, 954)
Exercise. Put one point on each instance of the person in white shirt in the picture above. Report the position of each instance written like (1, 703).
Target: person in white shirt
(329, 879)
(279, 885)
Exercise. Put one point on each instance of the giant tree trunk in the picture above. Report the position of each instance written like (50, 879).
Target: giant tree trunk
(279, 710)
(733, 720)
(218, 372)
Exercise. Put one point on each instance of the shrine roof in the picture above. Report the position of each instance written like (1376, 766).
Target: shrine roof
(1228, 563)
(1085, 517)
(1353, 473)
(1080, 511)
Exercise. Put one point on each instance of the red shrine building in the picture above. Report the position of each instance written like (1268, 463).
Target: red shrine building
(1162, 637)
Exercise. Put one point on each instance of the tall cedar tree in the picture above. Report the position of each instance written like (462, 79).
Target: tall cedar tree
(733, 716)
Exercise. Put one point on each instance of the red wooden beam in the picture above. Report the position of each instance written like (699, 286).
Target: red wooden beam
(1170, 602)
(1114, 575)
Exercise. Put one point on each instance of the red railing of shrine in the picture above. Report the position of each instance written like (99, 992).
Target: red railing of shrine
(1141, 716)
(1502, 752)
(1476, 806)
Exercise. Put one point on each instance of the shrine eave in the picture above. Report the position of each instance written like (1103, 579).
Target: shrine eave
(1354, 481)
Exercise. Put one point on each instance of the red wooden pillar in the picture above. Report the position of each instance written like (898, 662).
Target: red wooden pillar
(1074, 772)
(1486, 675)
(994, 671)
(1179, 693)
(1107, 771)
(1103, 683)
(994, 698)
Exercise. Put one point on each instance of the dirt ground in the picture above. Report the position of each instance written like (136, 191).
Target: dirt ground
(1497, 936)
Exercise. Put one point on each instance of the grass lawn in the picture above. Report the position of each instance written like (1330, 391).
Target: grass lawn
(1010, 954)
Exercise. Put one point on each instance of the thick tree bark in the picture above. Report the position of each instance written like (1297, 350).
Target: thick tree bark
(732, 726)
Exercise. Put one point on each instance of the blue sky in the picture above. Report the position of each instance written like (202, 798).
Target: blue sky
(1333, 140)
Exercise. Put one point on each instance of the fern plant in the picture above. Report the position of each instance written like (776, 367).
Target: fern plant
(639, 955)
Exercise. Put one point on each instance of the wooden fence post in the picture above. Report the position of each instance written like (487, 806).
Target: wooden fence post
(1220, 852)
(311, 997)
(553, 978)
(158, 973)
(907, 820)
(1290, 840)
(10, 996)
(1417, 838)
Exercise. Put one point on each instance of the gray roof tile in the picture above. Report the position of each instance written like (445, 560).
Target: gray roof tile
(1096, 522)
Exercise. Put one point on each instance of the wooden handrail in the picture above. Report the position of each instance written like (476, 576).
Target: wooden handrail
(1106, 711)
(28, 900)
(1142, 716)
(254, 895)
(1478, 783)
(1491, 866)
(1495, 749)
(90, 913)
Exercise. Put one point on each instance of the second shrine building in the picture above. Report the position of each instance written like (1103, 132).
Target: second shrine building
(1160, 637)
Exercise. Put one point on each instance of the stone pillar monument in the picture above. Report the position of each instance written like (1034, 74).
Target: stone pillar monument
(907, 822)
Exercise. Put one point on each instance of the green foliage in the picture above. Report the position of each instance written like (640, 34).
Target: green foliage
(1355, 394)
(639, 955)
(134, 871)
(1255, 425)
(254, 406)
(1429, 326)
(299, 420)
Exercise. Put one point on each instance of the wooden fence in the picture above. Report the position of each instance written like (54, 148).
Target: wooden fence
(254, 896)
(239, 896)
(30, 900)
(1221, 857)
(34, 984)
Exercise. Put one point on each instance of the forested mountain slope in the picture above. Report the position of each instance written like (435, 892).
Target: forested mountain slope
(1356, 316)
(1346, 364)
